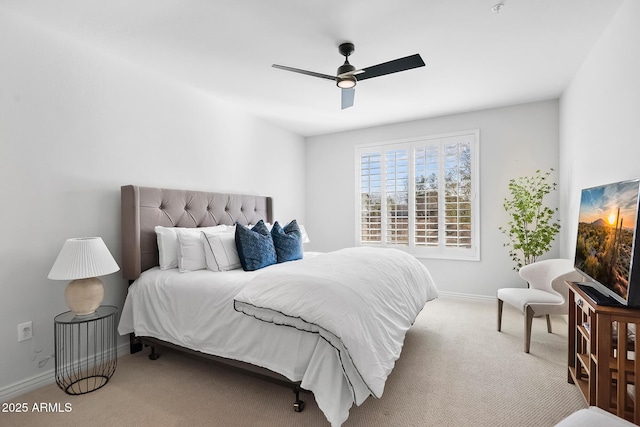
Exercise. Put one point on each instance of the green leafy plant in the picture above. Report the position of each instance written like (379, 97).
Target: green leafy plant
(531, 229)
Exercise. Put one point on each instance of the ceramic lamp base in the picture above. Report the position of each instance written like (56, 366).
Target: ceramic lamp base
(84, 296)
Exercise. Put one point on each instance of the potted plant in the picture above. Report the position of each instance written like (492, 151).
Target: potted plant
(532, 228)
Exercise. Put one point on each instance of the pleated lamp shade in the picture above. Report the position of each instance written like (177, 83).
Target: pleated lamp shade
(82, 260)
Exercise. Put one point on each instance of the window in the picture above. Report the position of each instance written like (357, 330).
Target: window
(420, 195)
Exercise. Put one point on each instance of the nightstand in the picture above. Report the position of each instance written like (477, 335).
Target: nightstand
(85, 349)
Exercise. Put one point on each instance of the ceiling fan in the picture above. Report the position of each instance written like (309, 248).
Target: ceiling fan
(346, 78)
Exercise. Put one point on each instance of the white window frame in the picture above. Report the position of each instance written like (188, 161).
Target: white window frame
(441, 251)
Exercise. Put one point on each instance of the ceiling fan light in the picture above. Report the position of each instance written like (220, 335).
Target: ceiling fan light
(346, 82)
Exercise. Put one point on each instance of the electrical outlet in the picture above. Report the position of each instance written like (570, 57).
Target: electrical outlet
(25, 331)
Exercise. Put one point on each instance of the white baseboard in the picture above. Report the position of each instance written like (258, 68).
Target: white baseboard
(25, 386)
(42, 379)
(466, 296)
(492, 299)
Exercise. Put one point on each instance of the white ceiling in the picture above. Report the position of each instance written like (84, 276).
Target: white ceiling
(475, 58)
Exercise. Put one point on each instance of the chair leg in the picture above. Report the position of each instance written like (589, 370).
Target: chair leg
(528, 320)
(500, 302)
(548, 324)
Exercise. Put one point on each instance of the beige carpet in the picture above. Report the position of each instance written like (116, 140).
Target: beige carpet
(455, 370)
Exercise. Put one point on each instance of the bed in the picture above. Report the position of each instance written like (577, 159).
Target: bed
(268, 322)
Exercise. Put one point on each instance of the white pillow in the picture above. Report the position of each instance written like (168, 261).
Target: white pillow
(305, 236)
(220, 250)
(190, 252)
(168, 243)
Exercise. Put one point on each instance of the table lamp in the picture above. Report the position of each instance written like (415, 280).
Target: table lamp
(81, 260)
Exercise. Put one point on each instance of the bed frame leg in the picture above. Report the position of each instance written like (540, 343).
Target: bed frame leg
(298, 405)
(135, 345)
(153, 355)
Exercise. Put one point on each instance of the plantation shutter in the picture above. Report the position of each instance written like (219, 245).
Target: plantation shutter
(370, 198)
(396, 175)
(420, 195)
(427, 166)
(457, 198)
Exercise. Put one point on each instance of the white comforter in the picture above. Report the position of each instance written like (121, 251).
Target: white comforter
(361, 300)
(196, 310)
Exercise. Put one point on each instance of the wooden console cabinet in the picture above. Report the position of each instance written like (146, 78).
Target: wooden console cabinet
(602, 360)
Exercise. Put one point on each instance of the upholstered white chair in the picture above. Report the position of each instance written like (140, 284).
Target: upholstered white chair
(547, 293)
(593, 417)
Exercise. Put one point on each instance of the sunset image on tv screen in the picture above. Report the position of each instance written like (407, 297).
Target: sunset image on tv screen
(606, 229)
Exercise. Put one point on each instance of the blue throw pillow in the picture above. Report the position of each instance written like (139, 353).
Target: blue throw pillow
(255, 247)
(287, 241)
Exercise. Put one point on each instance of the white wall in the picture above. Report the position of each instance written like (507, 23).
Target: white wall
(514, 141)
(599, 117)
(75, 125)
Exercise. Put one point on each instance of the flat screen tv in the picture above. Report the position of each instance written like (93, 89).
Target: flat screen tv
(607, 248)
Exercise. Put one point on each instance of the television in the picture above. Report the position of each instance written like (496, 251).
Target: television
(607, 249)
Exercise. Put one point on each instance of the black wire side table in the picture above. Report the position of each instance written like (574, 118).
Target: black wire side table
(85, 349)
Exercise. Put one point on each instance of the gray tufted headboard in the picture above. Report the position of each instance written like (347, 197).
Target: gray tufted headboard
(143, 208)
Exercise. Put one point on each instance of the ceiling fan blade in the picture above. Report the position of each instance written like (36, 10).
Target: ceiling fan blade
(347, 97)
(308, 73)
(401, 64)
